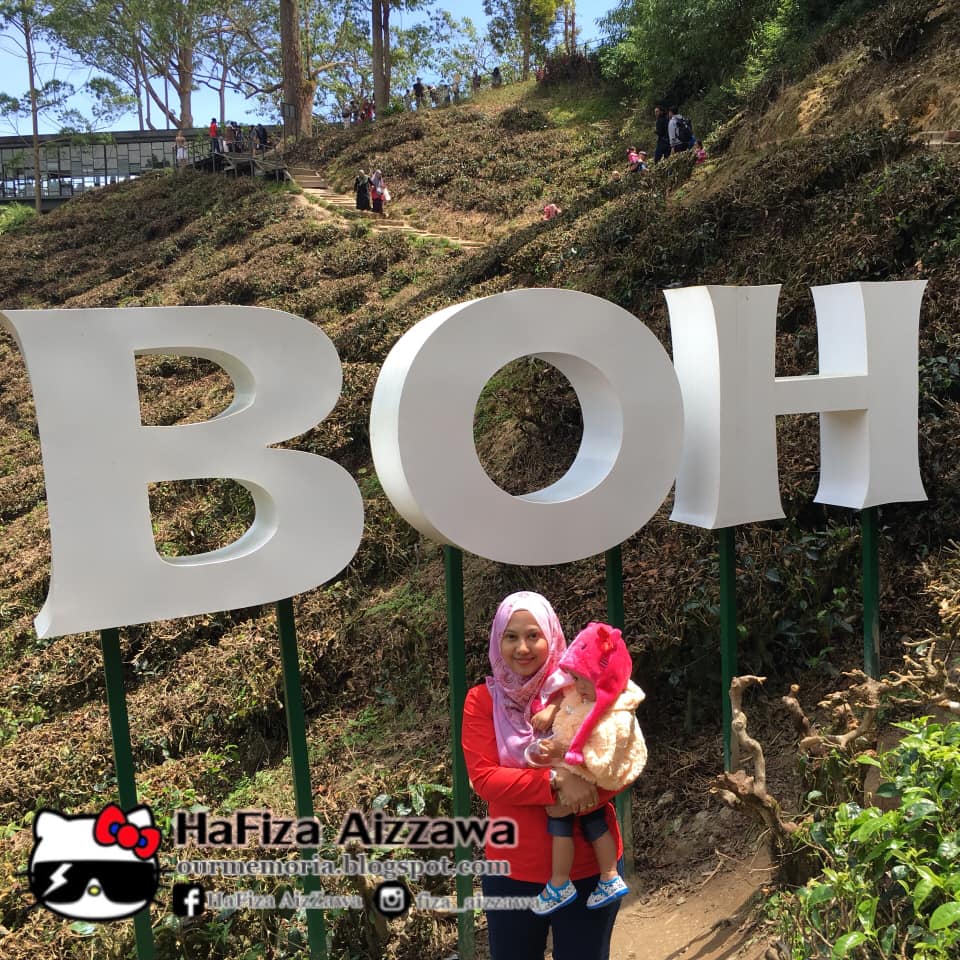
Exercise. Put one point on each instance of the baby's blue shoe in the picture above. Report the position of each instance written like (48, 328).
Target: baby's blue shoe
(606, 892)
(553, 898)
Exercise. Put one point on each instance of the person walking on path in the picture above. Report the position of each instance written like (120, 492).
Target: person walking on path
(180, 145)
(361, 187)
(214, 136)
(418, 92)
(526, 643)
(663, 134)
(378, 192)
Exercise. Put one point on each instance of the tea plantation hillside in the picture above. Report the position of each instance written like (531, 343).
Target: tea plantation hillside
(784, 198)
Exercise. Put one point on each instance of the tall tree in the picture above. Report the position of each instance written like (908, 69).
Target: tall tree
(27, 26)
(297, 86)
(380, 49)
(316, 39)
(381, 45)
(533, 21)
(442, 45)
(568, 12)
(677, 49)
(26, 18)
(137, 43)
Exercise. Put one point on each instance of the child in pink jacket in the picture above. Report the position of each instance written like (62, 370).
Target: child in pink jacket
(594, 732)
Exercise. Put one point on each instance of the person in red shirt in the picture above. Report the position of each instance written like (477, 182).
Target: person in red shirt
(526, 643)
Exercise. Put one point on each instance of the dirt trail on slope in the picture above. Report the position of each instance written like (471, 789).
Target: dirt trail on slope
(710, 920)
(334, 204)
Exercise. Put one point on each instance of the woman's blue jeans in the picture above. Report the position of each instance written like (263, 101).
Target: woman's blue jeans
(578, 933)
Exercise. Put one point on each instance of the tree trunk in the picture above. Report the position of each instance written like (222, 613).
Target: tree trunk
(308, 91)
(525, 36)
(138, 89)
(376, 37)
(184, 85)
(224, 75)
(292, 59)
(34, 110)
(387, 59)
(141, 65)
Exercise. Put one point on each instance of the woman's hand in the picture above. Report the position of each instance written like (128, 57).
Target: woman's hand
(575, 792)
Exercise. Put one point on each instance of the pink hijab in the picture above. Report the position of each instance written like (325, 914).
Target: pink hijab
(514, 696)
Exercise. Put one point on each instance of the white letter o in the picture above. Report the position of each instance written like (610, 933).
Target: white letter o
(421, 426)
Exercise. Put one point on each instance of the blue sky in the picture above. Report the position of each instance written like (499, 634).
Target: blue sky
(13, 71)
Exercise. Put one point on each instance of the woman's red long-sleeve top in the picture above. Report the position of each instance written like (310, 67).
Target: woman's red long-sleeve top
(521, 795)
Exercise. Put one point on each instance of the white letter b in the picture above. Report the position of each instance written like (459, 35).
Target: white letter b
(98, 459)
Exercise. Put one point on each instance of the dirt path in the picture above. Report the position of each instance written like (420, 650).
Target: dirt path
(333, 204)
(709, 921)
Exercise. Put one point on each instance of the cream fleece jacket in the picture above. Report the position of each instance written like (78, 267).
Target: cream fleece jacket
(615, 753)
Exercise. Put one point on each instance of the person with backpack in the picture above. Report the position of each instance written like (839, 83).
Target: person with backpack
(680, 130)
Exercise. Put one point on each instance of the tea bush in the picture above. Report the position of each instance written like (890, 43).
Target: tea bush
(14, 216)
(890, 880)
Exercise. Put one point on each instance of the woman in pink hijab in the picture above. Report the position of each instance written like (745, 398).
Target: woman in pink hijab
(526, 643)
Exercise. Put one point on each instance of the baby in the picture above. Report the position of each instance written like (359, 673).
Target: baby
(595, 733)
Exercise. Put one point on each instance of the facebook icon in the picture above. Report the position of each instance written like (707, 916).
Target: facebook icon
(189, 900)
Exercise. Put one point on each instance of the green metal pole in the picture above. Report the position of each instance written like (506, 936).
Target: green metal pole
(728, 633)
(123, 761)
(870, 544)
(614, 568)
(613, 562)
(457, 666)
(300, 760)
